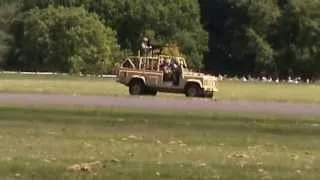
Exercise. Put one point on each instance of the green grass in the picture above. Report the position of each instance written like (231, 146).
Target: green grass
(41, 143)
(270, 92)
(94, 86)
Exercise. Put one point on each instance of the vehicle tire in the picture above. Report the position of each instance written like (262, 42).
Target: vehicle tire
(151, 92)
(192, 90)
(154, 92)
(136, 87)
(209, 95)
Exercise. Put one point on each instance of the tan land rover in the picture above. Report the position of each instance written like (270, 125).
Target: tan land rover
(147, 75)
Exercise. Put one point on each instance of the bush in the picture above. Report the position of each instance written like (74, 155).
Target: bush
(63, 39)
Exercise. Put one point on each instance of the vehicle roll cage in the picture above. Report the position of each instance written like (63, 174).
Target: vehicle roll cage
(145, 62)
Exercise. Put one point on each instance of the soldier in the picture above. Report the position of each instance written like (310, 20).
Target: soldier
(162, 63)
(176, 67)
(146, 46)
(167, 71)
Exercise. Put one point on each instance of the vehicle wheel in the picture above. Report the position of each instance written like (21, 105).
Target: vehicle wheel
(209, 95)
(152, 92)
(136, 88)
(192, 90)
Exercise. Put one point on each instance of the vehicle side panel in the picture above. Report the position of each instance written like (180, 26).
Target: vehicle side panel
(153, 79)
(125, 75)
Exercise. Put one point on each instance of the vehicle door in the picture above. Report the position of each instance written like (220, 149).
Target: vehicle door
(153, 75)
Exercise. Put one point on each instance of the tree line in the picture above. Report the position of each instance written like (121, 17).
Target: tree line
(234, 37)
(276, 37)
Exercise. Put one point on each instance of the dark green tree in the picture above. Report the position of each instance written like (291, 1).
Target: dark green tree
(8, 10)
(239, 32)
(297, 39)
(272, 36)
(176, 21)
(64, 40)
(162, 21)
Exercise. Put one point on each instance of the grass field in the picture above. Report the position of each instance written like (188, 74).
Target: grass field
(42, 143)
(95, 86)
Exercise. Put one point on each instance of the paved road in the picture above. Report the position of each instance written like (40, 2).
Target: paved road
(151, 103)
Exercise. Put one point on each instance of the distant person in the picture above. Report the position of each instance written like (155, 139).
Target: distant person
(146, 46)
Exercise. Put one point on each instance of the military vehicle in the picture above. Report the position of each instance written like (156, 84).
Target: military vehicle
(149, 74)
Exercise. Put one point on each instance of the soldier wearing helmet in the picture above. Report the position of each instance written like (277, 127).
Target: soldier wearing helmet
(146, 46)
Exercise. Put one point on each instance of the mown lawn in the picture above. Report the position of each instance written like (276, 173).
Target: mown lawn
(42, 143)
(93, 86)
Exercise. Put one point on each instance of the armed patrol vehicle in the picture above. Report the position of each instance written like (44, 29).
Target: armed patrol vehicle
(149, 74)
